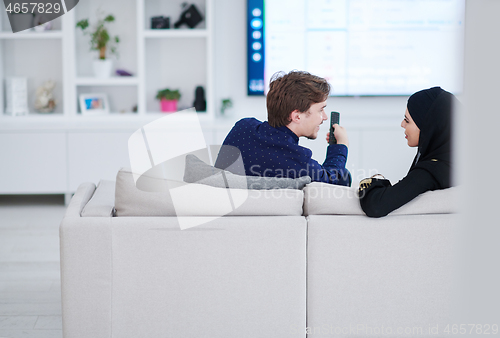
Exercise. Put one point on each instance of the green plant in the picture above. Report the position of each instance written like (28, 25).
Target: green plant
(99, 36)
(168, 94)
(226, 104)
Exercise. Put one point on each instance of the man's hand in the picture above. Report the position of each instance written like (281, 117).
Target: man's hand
(340, 134)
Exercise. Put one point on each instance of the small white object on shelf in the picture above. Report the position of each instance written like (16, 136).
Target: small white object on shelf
(94, 104)
(39, 26)
(16, 92)
(103, 68)
(45, 101)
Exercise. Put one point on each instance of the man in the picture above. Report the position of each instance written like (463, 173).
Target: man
(295, 108)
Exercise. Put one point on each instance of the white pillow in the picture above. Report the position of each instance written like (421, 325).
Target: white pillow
(197, 171)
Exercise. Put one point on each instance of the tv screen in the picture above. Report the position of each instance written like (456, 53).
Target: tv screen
(362, 47)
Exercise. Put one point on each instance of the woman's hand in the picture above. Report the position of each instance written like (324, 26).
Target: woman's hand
(340, 134)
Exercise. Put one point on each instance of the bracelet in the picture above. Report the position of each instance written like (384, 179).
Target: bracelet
(365, 183)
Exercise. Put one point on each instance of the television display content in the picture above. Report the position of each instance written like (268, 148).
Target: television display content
(362, 47)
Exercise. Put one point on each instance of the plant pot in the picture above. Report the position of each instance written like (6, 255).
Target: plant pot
(168, 105)
(227, 113)
(103, 68)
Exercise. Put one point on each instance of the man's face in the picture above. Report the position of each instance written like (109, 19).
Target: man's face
(312, 120)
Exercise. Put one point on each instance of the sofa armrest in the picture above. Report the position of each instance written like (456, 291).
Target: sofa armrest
(81, 197)
(86, 272)
(102, 202)
(86, 277)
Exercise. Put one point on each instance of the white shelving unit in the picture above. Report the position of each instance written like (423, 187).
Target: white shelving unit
(169, 58)
(53, 153)
(23, 53)
(187, 52)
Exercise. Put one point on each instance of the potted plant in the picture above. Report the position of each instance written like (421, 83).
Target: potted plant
(101, 41)
(226, 105)
(168, 99)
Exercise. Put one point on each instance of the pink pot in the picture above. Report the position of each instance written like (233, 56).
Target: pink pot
(168, 105)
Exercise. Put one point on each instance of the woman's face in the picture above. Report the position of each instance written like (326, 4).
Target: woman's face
(411, 130)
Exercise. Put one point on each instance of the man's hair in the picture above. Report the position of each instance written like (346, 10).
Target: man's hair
(296, 90)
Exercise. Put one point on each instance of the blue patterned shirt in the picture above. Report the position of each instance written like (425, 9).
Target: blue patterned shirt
(275, 152)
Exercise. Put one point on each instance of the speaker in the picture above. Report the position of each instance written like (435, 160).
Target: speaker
(200, 104)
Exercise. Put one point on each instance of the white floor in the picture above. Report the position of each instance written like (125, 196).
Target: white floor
(30, 286)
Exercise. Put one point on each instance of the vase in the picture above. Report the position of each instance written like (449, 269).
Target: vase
(168, 105)
(103, 68)
(227, 113)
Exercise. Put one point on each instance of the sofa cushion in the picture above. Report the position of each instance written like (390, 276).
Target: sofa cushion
(329, 199)
(102, 202)
(131, 201)
(198, 171)
(173, 198)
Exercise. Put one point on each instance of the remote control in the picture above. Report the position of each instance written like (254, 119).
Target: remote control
(334, 119)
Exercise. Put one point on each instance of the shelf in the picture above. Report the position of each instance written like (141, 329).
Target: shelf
(203, 117)
(123, 122)
(158, 114)
(149, 53)
(175, 33)
(30, 115)
(32, 35)
(112, 81)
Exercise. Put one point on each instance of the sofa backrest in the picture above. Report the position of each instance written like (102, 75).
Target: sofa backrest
(328, 199)
(174, 198)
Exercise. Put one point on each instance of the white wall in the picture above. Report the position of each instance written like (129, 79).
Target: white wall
(477, 129)
(231, 71)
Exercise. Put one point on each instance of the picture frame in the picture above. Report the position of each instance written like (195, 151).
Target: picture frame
(94, 104)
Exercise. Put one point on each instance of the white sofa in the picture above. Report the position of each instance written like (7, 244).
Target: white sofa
(310, 263)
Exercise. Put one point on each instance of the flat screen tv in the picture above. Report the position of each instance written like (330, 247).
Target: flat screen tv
(362, 47)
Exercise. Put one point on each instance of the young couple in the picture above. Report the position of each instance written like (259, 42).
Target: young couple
(296, 107)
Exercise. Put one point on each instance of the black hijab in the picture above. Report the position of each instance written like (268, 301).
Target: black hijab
(431, 110)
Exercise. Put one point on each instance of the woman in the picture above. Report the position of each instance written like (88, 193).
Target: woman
(427, 125)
